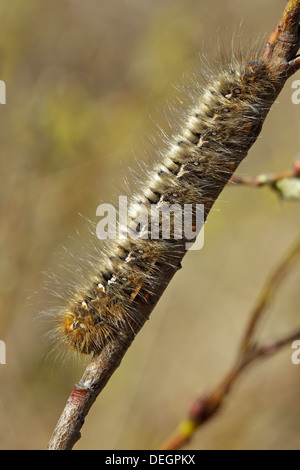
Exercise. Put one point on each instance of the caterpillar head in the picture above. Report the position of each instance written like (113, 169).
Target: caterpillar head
(83, 332)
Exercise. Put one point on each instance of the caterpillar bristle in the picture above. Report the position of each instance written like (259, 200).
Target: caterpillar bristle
(222, 122)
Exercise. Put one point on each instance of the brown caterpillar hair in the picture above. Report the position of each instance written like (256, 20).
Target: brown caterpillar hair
(223, 123)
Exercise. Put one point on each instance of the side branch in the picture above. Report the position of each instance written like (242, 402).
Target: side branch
(205, 407)
(286, 184)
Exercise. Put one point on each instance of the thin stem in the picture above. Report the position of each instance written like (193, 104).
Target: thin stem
(267, 294)
(268, 179)
(263, 179)
(205, 407)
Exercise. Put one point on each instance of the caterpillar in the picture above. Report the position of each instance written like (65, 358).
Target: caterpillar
(224, 121)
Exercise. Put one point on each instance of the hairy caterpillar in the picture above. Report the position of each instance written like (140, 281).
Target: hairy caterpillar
(225, 121)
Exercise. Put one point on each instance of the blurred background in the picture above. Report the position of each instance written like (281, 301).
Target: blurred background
(86, 85)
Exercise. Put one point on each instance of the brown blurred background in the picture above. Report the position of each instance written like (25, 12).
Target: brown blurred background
(86, 81)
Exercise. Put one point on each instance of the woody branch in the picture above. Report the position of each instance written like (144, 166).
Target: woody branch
(250, 351)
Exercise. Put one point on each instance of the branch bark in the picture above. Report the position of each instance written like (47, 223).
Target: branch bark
(280, 53)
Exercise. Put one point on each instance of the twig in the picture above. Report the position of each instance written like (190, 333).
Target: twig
(267, 295)
(205, 407)
(281, 56)
(263, 179)
(283, 183)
